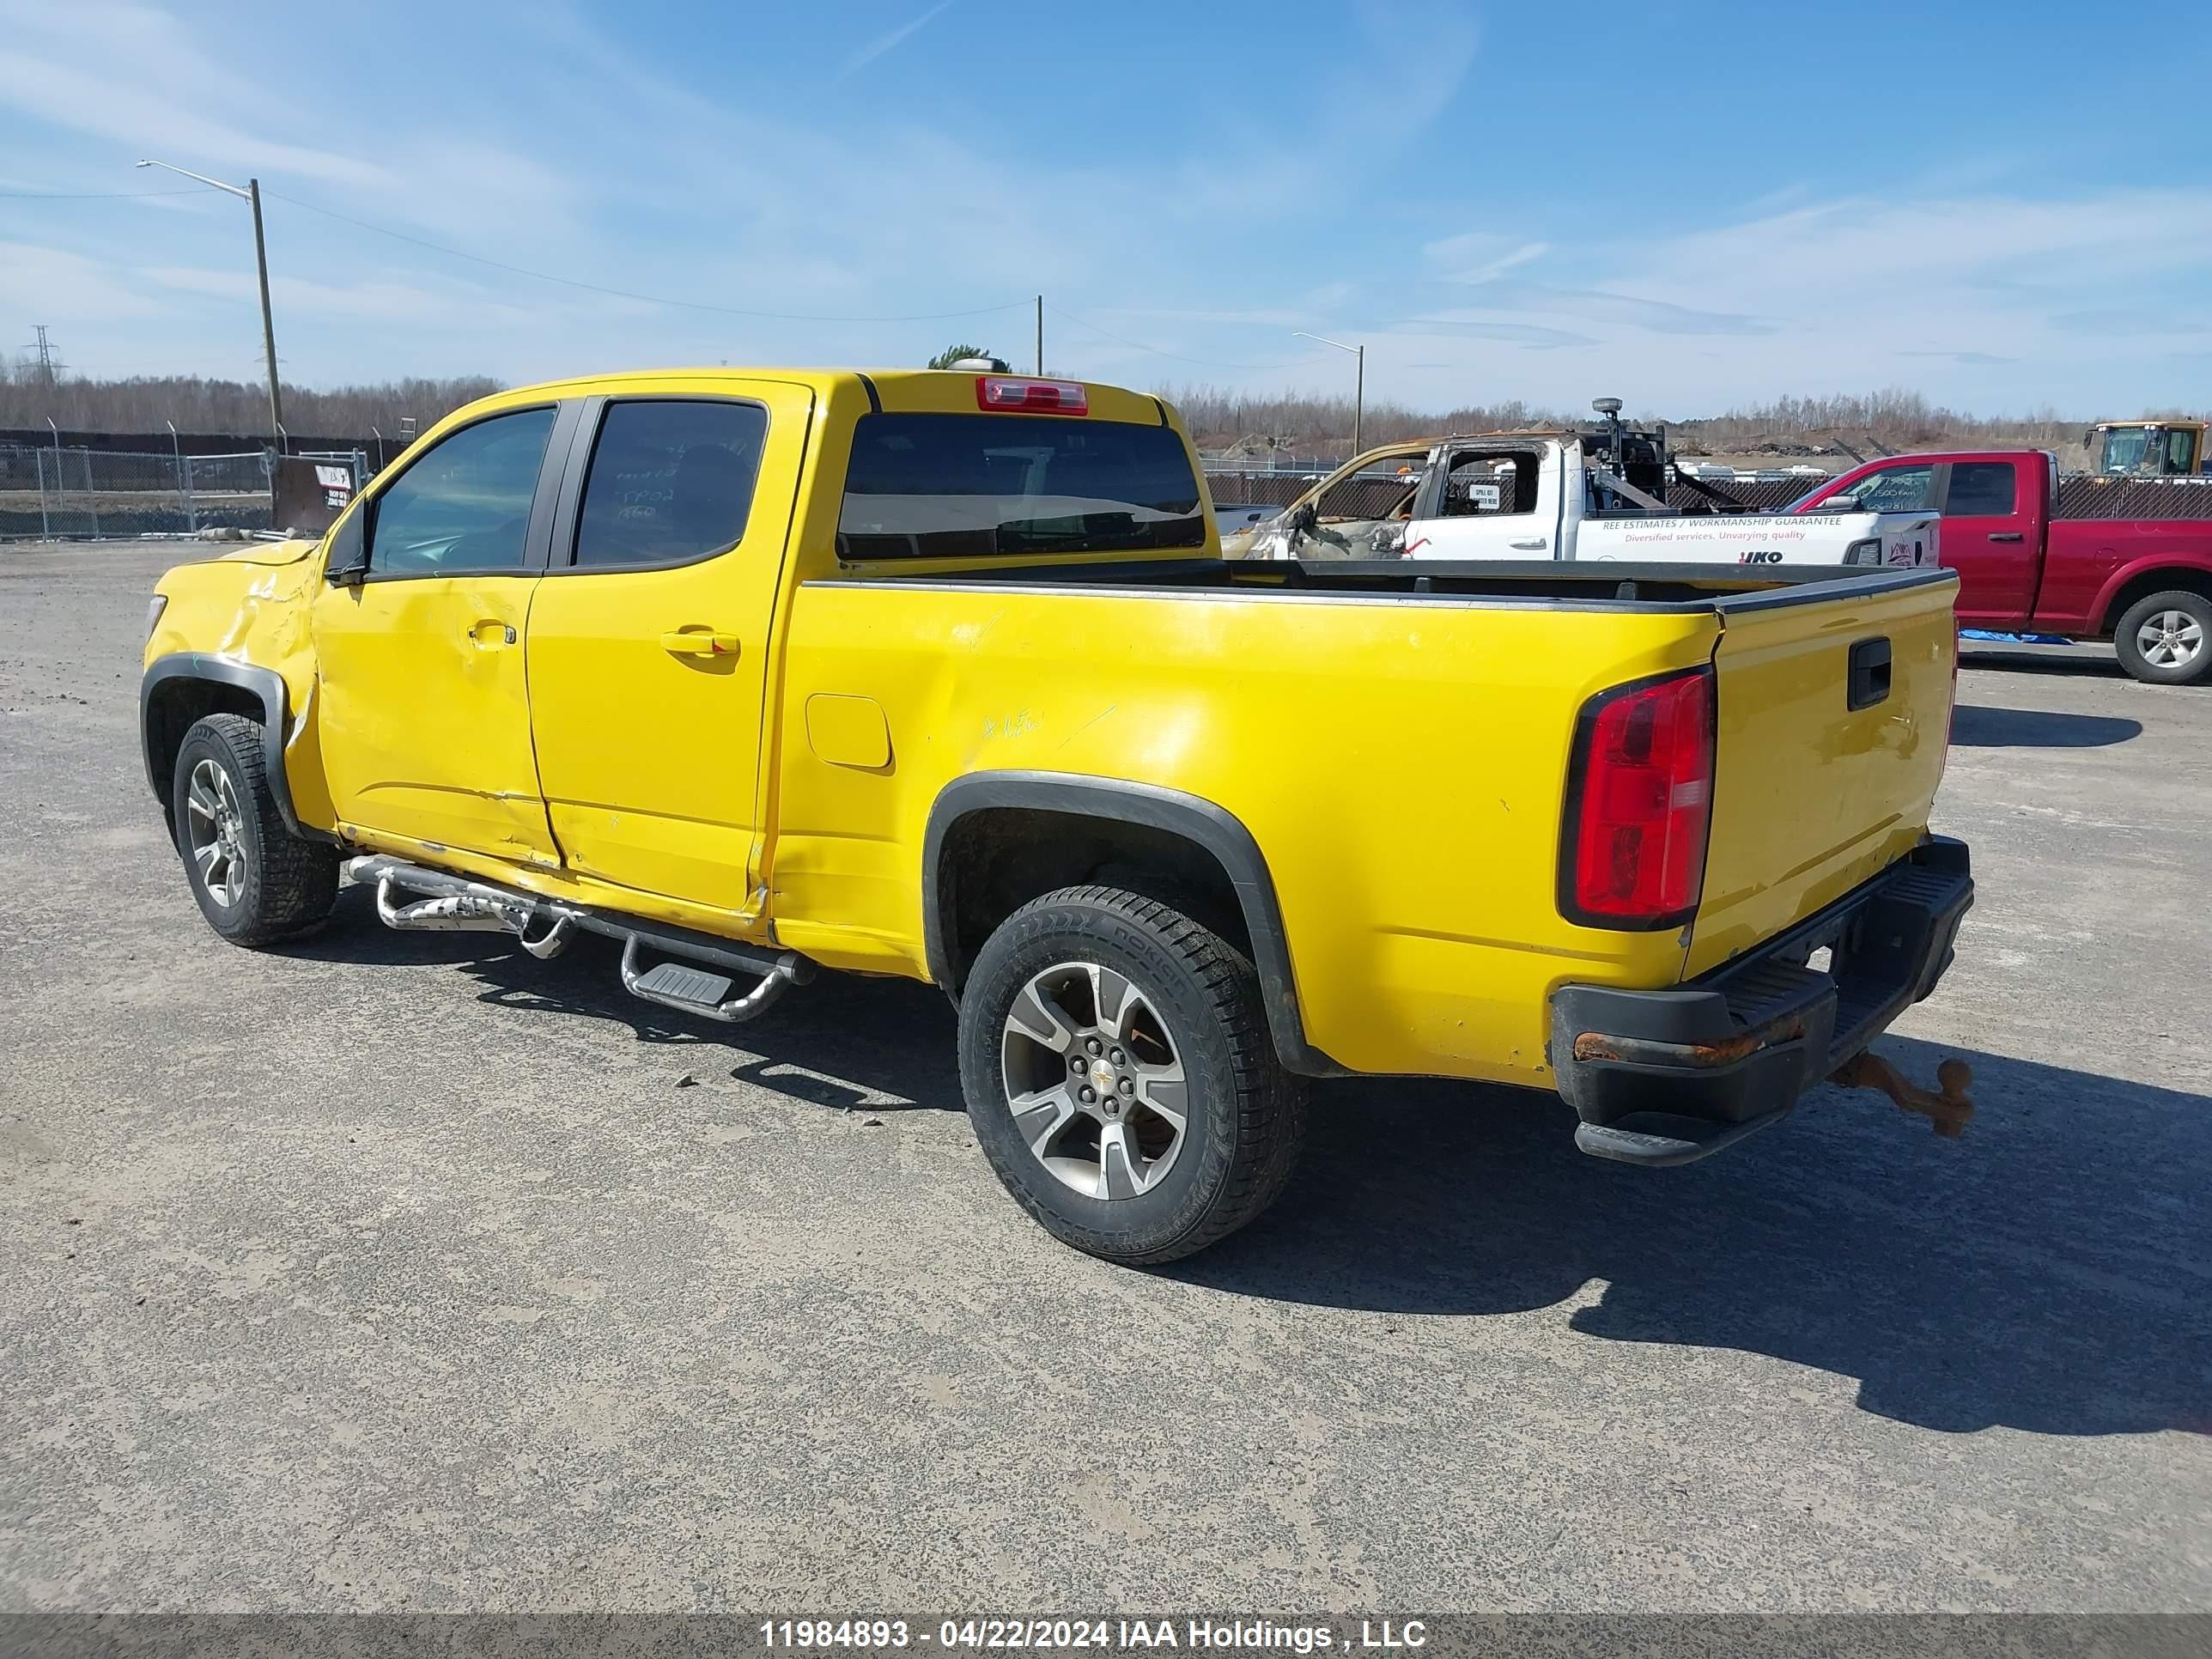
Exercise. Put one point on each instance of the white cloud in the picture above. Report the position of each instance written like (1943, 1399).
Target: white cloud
(63, 288)
(139, 77)
(382, 298)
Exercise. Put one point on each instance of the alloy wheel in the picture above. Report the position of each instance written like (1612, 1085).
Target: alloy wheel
(213, 827)
(2170, 639)
(1094, 1080)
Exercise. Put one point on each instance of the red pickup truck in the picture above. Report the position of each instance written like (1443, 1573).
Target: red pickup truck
(2032, 558)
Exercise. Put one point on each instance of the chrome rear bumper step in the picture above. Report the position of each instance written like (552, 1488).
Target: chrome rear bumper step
(446, 903)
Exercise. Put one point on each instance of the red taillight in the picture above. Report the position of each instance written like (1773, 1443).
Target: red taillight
(1639, 804)
(999, 392)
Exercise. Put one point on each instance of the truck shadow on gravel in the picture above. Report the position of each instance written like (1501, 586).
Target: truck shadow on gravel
(842, 1041)
(2029, 659)
(2051, 1272)
(2048, 1273)
(1979, 726)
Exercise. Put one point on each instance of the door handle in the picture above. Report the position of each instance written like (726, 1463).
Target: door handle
(1536, 546)
(699, 642)
(1869, 679)
(2005, 536)
(489, 631)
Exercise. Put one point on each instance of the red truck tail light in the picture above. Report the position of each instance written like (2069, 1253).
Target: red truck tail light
(1639, 804)
(1002, 392)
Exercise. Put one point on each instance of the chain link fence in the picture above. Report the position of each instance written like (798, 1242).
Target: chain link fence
(77, 494)
(62, 494)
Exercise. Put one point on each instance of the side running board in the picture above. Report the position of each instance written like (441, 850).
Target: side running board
(695, 990)
(449, 904)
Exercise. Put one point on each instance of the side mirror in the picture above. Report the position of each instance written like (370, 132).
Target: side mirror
(346, 564)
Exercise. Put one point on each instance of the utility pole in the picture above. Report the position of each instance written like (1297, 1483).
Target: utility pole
(1358, 400)
(251, 195)
(1040, 336)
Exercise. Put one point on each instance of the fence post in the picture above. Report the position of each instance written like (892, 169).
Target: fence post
(91, 492)
(46, 524)
(192, 506)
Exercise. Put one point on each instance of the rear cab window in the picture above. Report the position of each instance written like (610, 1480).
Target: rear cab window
(973, 486)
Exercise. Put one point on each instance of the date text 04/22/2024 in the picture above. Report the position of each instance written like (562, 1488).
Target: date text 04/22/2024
(820, 1635)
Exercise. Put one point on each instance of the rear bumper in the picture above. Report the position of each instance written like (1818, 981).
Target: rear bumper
(1667, 1076)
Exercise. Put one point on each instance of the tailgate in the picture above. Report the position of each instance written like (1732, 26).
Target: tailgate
(1812, 795)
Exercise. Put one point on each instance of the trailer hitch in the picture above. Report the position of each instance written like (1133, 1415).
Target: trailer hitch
(1946, 1107)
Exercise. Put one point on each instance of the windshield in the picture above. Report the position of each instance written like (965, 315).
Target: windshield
(2131, 449)
(960, 486)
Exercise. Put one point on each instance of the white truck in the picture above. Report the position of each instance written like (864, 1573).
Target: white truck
(1560, 495)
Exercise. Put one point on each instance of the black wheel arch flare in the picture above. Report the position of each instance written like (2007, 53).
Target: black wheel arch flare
(266, 685)
(1200, 821)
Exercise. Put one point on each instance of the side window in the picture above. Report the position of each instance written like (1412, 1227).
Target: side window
(465, 504)
(1981, 489)
(1374, 492)
(2181, 451)
(670, 482)
(1488, 485)
(1900, 490)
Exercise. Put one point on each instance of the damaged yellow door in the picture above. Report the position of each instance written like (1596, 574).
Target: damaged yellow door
(425, 719)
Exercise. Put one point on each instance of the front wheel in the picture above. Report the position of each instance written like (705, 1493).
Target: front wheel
(255, 882)
(2166, 639)
(1117, 1067)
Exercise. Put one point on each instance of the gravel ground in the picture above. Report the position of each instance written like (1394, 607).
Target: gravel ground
(405, 1271)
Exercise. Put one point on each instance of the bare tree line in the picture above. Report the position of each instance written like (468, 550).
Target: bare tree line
(1303, 423)
(141, 402)
(1895, 419)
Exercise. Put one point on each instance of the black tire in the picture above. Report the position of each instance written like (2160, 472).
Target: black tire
(2128, 640)
(283, 885)
(1245, 1115)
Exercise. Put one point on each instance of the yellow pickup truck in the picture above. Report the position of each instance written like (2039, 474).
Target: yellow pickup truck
(941, 675)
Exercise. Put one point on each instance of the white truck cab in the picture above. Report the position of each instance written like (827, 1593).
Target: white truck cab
(1560, 495)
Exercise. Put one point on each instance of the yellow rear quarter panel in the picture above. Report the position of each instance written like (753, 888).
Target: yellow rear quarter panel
(1400, 765)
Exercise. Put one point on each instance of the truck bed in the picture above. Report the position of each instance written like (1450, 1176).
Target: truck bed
(1396, 735)
(1608, 586)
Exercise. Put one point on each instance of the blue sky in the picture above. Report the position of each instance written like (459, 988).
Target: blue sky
(1690, 206)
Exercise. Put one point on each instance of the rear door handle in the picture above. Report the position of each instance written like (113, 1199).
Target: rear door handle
(1869, 673)
(2005, 536)
(699, 642)
(1536, 546)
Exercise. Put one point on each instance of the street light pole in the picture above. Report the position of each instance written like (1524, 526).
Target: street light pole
(268, 322)
(1358, 383)
(251, 195)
